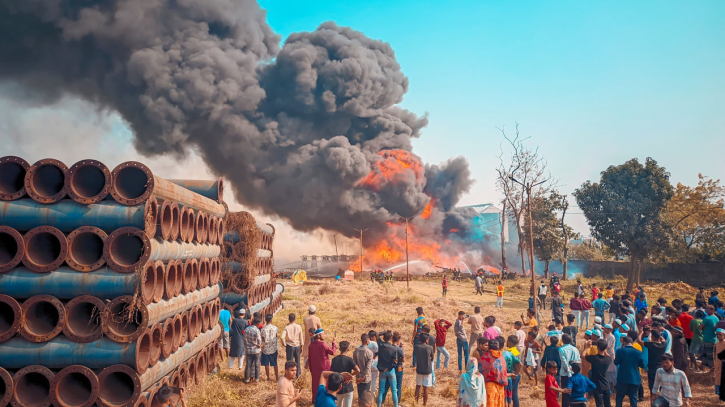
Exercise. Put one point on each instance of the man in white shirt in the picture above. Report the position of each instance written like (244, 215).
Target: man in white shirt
(293, 339)
(671, 384)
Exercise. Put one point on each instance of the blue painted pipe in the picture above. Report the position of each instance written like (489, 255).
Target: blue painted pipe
(66, 283)
(61, 352)
(212, 189)
(68, 215)
(235, 298)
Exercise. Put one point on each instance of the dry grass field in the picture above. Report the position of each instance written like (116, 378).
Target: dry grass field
(354, 308)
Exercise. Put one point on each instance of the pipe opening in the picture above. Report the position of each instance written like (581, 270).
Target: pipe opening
(177, 333)
(43, 249)
(3, 390)
(116, 388)
(12, 177)
(41, 318)
(74, 389)
(86, 248)
(7, 318)
(48, 180)
(8, 248)
(131, 182)
(84, 318)
(155, 351)
(126, 250)
(32, 389)
(159, 289)
(175, 222)
(149, 283)
(167, 221)
(125, 319)
(168, 338)
(88, 181)
(143, 351)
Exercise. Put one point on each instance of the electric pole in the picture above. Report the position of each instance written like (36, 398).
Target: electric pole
(361, 247)
(407, 269)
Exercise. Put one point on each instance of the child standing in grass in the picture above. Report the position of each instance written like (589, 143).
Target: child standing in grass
(552, 385)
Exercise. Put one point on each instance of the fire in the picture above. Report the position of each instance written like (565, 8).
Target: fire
(392, 249)
(393, 165)
(428, 209)
(454, 230)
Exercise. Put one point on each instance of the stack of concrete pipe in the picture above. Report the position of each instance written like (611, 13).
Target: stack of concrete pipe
(109, 282)
(264, 294)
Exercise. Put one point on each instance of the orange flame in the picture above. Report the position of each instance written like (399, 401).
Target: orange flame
(454, 230)
(393, 165)
(428, 209)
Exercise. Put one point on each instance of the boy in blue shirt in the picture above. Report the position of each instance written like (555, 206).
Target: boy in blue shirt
(579, 385)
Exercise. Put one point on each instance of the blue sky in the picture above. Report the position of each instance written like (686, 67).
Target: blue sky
(593, 83)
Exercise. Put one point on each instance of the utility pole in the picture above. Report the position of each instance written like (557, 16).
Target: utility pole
(361, 247)
(407, 269)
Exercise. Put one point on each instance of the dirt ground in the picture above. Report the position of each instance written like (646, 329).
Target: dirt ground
(351, 308)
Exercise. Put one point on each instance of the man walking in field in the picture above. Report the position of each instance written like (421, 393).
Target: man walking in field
(311, 322)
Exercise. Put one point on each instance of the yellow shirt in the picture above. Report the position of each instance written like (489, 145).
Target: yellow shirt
(499, 291)
(609, 293)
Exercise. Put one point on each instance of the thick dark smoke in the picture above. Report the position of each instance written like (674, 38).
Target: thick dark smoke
(295, 129)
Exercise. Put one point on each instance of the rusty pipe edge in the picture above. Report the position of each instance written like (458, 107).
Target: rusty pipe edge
(88, 181)
(160, 270)
(45, 181)
(74, 386)
(199, 227)
(177, 333)
(12, 248)
(183, 371)
(85, 249)
(183, 223)
(12, 177)
(167, 338)
(147, 282)
(165, 220)
(190, 225)
(179, 287)
(6, 387)
(170, 277)
(10, 317)
(190, 275)
(201, 368)
(184, 317)
(207, 228)
(125, 319)
(191, 371)
(84, 317)
(155, 335)
(32, 387)
(175, 222)
(43, 318)
(120, 386)
(204, 271)
(213, 229)
(126, 248)
(193, 322)
(133, 183)
(46, 248)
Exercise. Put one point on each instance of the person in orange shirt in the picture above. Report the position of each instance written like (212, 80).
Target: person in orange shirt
(499, 295)
(673, 316)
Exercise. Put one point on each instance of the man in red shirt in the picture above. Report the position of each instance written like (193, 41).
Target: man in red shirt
(595, 291)
(444, 284)
(586, 305)
(576, 308)
(442, 327)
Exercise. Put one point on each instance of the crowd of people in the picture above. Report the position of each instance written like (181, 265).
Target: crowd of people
(577, 357)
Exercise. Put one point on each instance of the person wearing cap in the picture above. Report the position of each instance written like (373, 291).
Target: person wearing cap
(318, 358)
(583, 351)
(670, 386)
(166, 397)
(292, 340)
(678, 349)
(311, 322)
(236, 336)
(611, 345)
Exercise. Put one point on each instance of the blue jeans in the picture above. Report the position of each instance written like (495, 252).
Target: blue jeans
(625, 389)
(416, 341)
(387, 382)
(515, 390)
(399, 382)
(462, 351)
(584, 317)
(447, 357)
(499, 302)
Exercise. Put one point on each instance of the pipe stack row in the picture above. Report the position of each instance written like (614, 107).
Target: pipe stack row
(261, 292)
(109, 282)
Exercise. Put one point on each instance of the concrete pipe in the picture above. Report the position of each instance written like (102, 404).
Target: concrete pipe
(193, 324)
(12, 248)
(127, 248)
(148, 282)
(191, 371)
(125, 319)
(155, 352)
(6, 387)
(119, 386)
(207, 228)
(165, 220)
(32, 387)
(46, 248)
(171, 275)
(74, 386)
(45, 181)
(88, 181)
(134, 183)
(160, 270)
(233, 237)
(200, 319)
(201, 367)
(185, 353)
(12, 177)
(183, 371)
(43, 318)
(213, 229)
(204, 266)
(191, 226)
(183, 222)
(177, 332)
(184, 317)
(143, 401)
(212, 189)
(175, 379)
(85, 249)
(10, 317)
(222, 230)
(66, 283)
(67, 215)
(199, 227)
(84, 316)
(179, 287)
(190, 277)
(206, 316)
(175, 222)
(167, 338)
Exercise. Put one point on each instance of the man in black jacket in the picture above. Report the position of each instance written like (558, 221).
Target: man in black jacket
(424, 371)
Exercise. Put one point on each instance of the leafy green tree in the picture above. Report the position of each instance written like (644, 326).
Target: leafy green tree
(590, 250)
(623, 210)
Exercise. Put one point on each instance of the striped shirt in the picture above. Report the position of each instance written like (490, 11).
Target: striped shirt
(671, 386)
(252, 340)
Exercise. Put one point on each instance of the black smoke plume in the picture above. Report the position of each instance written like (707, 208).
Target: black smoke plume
(294, 129)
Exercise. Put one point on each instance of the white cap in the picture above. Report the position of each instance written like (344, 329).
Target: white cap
(313, 308)
(598, 320)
